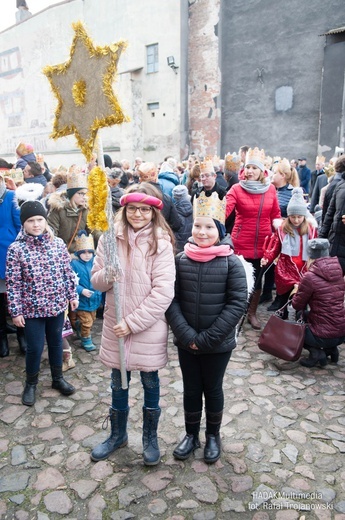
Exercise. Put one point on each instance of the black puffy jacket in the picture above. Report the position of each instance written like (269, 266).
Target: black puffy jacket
(210, 298)
(333, 227)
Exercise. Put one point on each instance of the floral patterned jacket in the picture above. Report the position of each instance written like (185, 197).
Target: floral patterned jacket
(39, 278)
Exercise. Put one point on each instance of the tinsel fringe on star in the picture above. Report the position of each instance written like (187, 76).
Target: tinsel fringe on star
(117, 117)
(97, 199)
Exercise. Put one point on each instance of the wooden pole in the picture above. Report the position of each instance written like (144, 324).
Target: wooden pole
(116, 289)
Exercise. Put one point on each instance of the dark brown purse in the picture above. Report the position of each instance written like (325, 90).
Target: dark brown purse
(283, 339)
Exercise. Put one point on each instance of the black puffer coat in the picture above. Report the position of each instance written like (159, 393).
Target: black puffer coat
(323, 289)
(210, 298)
(333, 227)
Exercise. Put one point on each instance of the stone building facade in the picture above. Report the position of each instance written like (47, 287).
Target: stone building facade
(198, 76)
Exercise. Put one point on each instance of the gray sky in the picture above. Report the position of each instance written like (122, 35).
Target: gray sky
(8, 10)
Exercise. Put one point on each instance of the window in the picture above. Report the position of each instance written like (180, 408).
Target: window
(152, 58)
(153, 106)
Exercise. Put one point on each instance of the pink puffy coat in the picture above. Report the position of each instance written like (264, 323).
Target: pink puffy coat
(253, 221)
(146, 291)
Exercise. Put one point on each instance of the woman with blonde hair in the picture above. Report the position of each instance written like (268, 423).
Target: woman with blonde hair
(285, 178)
(255, 202)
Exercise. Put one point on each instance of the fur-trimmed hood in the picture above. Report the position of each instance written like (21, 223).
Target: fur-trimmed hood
(277, 222)
(59, 200)
(31, 191)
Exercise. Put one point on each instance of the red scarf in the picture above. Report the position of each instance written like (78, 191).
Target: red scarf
(205, 254)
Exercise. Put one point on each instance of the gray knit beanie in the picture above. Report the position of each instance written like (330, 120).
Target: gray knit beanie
(318, 248)
(297, 204)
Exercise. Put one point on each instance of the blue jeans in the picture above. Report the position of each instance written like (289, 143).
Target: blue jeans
(150, 382)
(36, 331)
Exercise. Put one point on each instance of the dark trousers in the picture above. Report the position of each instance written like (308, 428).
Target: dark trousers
(310, 340)
(269, 279)
(151, 386)
(257, 269)
(36, 331)
(203, 375)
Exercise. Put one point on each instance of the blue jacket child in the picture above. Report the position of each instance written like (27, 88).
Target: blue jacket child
(89, 299)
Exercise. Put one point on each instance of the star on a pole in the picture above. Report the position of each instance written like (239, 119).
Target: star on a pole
(83, 88)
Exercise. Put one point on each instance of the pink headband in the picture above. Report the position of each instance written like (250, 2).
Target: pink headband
(141, 197)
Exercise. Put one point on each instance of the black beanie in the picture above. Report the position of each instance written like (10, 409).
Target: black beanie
(72, 191)
(31, 208)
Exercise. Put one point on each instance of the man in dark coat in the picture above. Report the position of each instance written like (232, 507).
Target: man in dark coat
(333, 226)
(304, 174)
(208, 178)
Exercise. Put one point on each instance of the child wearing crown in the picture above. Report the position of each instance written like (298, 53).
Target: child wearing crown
(211, 293)
(83, 318)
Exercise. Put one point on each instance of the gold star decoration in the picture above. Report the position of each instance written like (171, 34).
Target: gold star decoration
(83, 88)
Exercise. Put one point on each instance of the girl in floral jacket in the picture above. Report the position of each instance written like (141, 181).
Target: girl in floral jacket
(289, 243)
(40, 283)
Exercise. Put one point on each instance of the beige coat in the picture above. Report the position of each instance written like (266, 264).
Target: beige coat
(146, 291)
(63, 219)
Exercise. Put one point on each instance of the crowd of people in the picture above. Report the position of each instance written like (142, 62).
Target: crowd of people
(201, 243)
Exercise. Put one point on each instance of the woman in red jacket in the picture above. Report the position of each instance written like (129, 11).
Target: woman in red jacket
(322, 288)
(255, 203)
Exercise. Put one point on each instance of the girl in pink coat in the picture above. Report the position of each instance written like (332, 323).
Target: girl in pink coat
(144, 246)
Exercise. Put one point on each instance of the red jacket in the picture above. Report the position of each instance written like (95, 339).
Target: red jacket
(253, 220)
(323, 289)
(286, 273)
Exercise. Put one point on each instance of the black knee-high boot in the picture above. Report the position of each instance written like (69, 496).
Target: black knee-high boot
(4, 350)
(59, 382)
(21, 339)
(213, 445)
(190, 442)
(151, 453)
(29, 394)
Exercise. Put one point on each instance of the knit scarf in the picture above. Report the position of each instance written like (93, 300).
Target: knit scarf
(205, 254)
(291, 245)
(256, 187)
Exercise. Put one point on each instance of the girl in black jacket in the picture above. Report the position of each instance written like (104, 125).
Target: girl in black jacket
(210, 298)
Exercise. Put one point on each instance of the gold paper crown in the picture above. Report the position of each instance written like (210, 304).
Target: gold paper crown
(255, 155)
(283, 166)
(215, 160)
(268, 161)
(84, 242)
(76, 179)
(15, 174)
(320, 159)
(232, 162)
(206, 166)
(210, 206)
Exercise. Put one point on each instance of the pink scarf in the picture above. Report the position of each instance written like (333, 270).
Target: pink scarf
(205, 254)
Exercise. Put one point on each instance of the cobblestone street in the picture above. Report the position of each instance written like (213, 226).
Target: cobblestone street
(283, 439)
